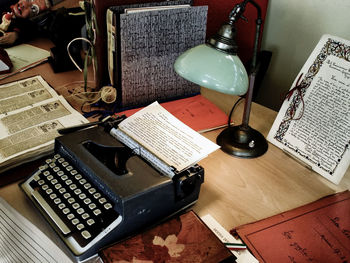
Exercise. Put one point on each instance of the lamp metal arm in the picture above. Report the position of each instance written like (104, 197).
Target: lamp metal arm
(224, 41)
(237, 13)
(253, 66)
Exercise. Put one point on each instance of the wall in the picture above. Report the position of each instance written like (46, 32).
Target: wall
(292, 30)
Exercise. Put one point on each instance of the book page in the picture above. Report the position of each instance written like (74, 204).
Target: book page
(24, 55)
(314, 123)
(153, 8)
(111, 38)
(21, 241)
(166, 137)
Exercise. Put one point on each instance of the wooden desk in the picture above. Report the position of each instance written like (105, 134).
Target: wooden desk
(239, 191)
(236, 191)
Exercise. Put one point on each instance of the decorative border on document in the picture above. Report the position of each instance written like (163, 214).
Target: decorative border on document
(331, 47)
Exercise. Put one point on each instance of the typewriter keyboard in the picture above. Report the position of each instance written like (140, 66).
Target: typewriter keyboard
(74, 205)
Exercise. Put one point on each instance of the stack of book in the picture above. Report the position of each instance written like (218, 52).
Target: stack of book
(143, 42)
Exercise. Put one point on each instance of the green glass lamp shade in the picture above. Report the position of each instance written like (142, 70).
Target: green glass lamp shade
(213, 69)
(216, 66)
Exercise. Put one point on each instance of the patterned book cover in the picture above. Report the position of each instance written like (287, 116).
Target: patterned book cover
(182, 239)
(98, 17)
(150, 42)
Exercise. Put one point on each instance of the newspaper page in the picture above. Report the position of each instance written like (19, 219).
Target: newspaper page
(20, 94)
(28, 130)
(313, 124)
(173, 142)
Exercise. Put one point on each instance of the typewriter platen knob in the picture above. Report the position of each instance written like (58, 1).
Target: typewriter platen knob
(188, 181)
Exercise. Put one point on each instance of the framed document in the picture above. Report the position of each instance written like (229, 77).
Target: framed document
(313, 123)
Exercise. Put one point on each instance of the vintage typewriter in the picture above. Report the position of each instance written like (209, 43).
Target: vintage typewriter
(94, 190)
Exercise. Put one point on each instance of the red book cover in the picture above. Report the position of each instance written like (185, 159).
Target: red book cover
(197, 112)
(316, 232)
(182, 239)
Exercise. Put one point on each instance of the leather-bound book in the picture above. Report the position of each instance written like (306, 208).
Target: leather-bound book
(184, 238)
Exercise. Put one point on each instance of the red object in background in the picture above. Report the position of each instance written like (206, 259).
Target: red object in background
(4, 57)
(8, 16)
(218, 12)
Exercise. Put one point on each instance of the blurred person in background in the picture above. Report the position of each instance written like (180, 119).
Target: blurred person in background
(17, 22)
(24, 20)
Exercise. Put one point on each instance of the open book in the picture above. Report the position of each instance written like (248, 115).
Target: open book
(313, 125)
(160, 138)
(31, 112)
(23, 57)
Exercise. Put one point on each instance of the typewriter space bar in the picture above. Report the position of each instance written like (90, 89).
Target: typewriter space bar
(52, 214)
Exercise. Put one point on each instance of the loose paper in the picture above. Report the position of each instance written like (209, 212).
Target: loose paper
(21, 241)
(166, 137)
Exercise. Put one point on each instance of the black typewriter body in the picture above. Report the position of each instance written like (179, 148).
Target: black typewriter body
(95, 191)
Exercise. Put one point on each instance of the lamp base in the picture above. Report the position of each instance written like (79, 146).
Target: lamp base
(241, 141)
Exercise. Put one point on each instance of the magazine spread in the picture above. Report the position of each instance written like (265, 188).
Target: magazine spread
(313, 123)
(31, 112)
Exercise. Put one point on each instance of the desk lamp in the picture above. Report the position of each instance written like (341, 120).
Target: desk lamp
(215, 65)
